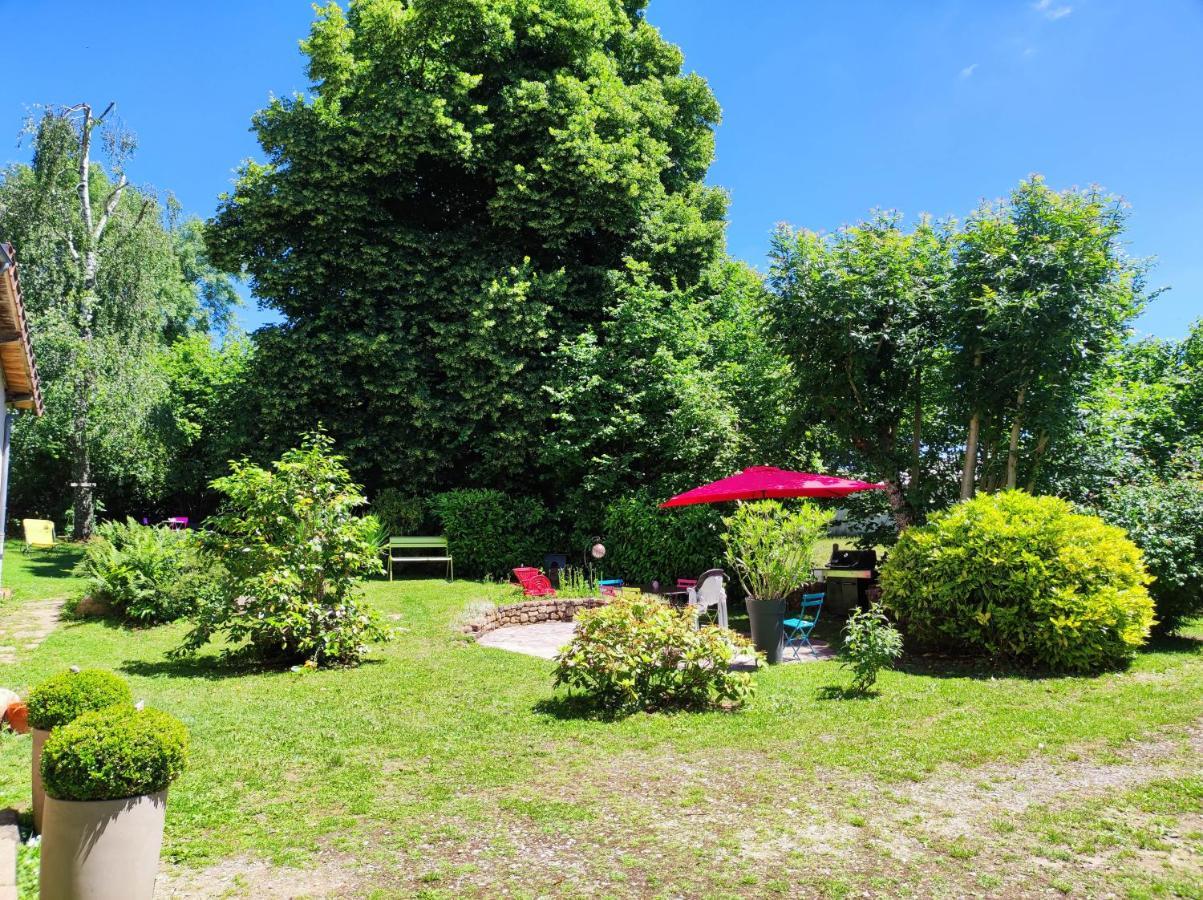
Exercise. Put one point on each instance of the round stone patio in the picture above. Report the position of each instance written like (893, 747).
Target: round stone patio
(544, 639)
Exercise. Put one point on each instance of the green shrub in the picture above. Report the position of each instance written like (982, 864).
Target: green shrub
(1165, 520)
(637, 654)
(645, 543)
(66, 696)
(146, 573)
(1024, 577)
(772, 547)
(400, 514)
(376, 534)
(295, 555)
(871, 644)
(114, 753)
(490, 532)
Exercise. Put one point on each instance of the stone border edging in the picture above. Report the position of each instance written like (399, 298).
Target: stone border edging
(528, 612)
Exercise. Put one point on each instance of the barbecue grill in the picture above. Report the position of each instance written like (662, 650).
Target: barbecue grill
(849, 575)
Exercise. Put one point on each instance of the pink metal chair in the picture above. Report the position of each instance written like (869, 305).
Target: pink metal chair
(176, 523)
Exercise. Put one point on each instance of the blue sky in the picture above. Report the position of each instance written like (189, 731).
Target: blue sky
(830, 108)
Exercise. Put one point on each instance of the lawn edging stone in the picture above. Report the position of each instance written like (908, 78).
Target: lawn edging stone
(530, 612)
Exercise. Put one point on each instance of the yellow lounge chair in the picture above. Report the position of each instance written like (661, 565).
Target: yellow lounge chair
(39, 534)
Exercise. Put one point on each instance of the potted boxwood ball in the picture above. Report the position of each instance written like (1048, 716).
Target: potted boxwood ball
(106, 776)
(60, 699)
(771, 549)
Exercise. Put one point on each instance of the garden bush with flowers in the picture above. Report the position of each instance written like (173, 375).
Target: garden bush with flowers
(295, 554)
(643, 654)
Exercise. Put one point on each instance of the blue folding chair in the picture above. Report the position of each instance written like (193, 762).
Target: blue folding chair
(797, 631)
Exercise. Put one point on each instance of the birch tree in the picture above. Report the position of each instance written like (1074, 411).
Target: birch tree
(103, 271)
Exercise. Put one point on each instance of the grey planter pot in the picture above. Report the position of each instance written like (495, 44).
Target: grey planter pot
(102, 849)
(767, 618)
(39, 796)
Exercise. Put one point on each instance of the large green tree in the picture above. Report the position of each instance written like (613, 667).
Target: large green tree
(860, 315)
(207, 417)
(1041, 293)
(1139, 421)
(109, 277)
(474, 194)
(961, 353)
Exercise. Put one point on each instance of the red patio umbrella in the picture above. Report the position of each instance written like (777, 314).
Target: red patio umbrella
(759, 482)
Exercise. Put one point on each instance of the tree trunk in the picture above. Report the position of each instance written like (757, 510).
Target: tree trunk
(987, 478)
(917, 434)
(89, 260)
(1037, 460)
(81, 463)
(900, 507)
(83, 498)
(969, 472)
(1013, 446)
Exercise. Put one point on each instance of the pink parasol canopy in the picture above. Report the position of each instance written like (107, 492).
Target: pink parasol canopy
(759, 482)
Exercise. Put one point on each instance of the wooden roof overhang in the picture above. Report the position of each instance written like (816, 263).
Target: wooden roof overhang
(22, 388)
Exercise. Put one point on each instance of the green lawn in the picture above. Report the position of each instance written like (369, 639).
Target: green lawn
(38, 574)
(447, 769)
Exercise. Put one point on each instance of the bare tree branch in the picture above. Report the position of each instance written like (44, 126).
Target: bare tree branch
(109, 205)
(121, 239)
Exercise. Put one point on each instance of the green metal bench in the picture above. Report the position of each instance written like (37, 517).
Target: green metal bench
(419, 544)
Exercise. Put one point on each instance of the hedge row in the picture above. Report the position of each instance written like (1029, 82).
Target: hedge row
(491, 532)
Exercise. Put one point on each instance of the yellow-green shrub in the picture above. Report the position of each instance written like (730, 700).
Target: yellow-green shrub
(1021, 576)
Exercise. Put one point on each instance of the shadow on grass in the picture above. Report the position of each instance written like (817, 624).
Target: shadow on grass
(57, 563)
(844, 692)
(940, 665)
(1173, 643)
(211, 667)
(575, 707)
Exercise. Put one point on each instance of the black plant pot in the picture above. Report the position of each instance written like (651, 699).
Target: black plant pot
(767, 618)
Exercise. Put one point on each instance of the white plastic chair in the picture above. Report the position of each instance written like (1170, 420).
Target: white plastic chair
(710, 591)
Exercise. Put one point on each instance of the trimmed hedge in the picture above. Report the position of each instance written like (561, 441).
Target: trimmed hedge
(400, 514)
(645, 543)
(490, 532)
(64, 697)
(1021, 576)
(1165, 520)
(114, 753)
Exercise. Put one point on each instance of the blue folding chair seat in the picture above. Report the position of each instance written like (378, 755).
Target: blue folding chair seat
(797, 630)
